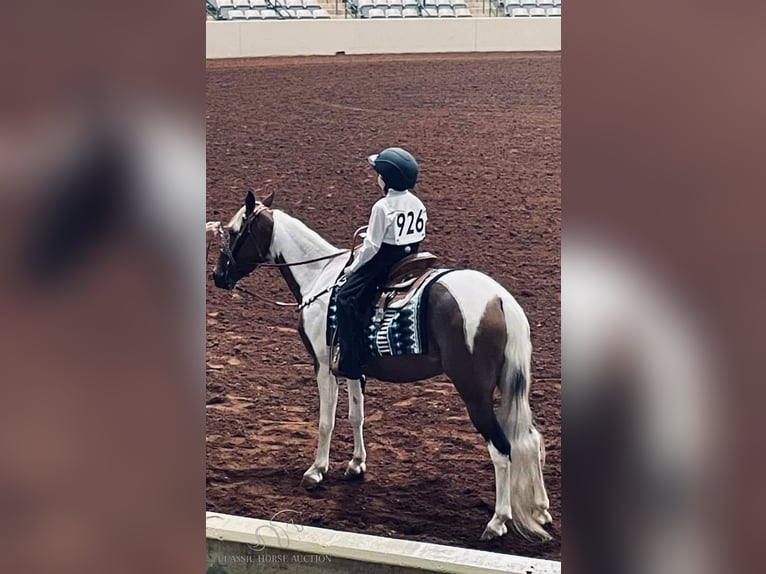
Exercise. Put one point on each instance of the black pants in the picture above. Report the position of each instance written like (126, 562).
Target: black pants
(355, 301)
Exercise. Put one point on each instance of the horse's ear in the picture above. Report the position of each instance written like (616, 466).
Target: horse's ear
(268, 199)
(249, 202)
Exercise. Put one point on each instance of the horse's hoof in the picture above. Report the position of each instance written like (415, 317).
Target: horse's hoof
(494, 530)
(355, 470)
(312, 480)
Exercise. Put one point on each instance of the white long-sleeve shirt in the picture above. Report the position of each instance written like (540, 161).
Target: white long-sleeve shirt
(398, 218)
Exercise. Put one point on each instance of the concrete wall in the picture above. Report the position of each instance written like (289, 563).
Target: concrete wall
(237, 545)
(243, 39)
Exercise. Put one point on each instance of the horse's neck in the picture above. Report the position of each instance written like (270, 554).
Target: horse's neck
(293, 241)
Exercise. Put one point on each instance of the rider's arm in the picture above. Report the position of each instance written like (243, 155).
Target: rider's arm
(376, 230)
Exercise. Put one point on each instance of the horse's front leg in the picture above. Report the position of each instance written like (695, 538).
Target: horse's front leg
(328, 401)
(357, 465)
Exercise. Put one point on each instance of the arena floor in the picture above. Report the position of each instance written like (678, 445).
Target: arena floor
(486, 130)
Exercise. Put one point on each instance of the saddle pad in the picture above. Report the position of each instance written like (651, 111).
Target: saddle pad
(400, 331)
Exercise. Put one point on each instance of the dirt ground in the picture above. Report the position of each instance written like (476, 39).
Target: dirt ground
(486, 131)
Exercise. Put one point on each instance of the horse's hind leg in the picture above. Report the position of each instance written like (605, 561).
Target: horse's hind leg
(474, 364)
(357, 465)
(328, 401)
(483, 418)
(496, 527)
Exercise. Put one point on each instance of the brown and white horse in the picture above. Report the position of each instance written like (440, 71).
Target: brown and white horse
(478, 336)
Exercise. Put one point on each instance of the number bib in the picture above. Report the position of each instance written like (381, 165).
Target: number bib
(409, 227)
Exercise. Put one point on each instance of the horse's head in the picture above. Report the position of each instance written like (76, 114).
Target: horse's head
(246, 241)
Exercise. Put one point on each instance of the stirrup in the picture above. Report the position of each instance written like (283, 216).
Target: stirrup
(335, 360)
(335, 366)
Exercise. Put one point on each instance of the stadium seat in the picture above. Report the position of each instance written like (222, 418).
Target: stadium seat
(396, 4)
(252, 14)
(304, 14)
(554, 12)
(224, 7)
(544, 3)
(443, 4)
(393, 13)
(537, 12)
(293, 4)
(269, 14)
(410, 12)
(382, 4)
(236, 15)
(520, 13)
(429, 12)
(242, 5)
(511, 4)
(429, 4)
(411, 4)
(364, 8)
(446, 13)
(529, 4)
(462, 12)
(557, 2)
(311, 5)
(321, 14)
(258, 4)
(376, 13)
(458, 4)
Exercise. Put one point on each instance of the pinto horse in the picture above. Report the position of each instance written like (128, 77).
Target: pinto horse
(478, 336)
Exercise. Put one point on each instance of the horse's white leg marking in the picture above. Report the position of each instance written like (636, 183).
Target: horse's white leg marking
(472, 291)
(357, 465)
(496, 527)
(328, 401)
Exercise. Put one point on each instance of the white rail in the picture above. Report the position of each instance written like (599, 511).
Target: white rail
(258, 537)
(242, 39)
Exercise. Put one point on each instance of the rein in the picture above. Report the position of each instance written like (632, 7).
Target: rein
(332, 256)
(256, 296)
(298, 307)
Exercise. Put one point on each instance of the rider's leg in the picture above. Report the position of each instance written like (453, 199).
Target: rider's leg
(349, 323)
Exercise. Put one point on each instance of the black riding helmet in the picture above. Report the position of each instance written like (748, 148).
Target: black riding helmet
(397, 167)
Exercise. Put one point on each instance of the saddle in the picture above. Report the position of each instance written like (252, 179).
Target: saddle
(404, 279)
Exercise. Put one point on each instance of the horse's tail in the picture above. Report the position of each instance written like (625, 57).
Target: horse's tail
(529, 500)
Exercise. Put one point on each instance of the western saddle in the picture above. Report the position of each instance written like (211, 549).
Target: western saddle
(404, 279)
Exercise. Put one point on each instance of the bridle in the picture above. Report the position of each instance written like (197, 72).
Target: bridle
(226, 249)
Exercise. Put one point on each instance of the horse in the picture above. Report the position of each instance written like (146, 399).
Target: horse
(479, 337)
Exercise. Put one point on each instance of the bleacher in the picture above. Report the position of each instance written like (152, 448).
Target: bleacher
(379, 9)
(528, 8)
(452, 8)
(266, 9)
(408, 9)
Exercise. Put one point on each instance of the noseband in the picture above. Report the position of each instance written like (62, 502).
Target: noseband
(226, 248)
